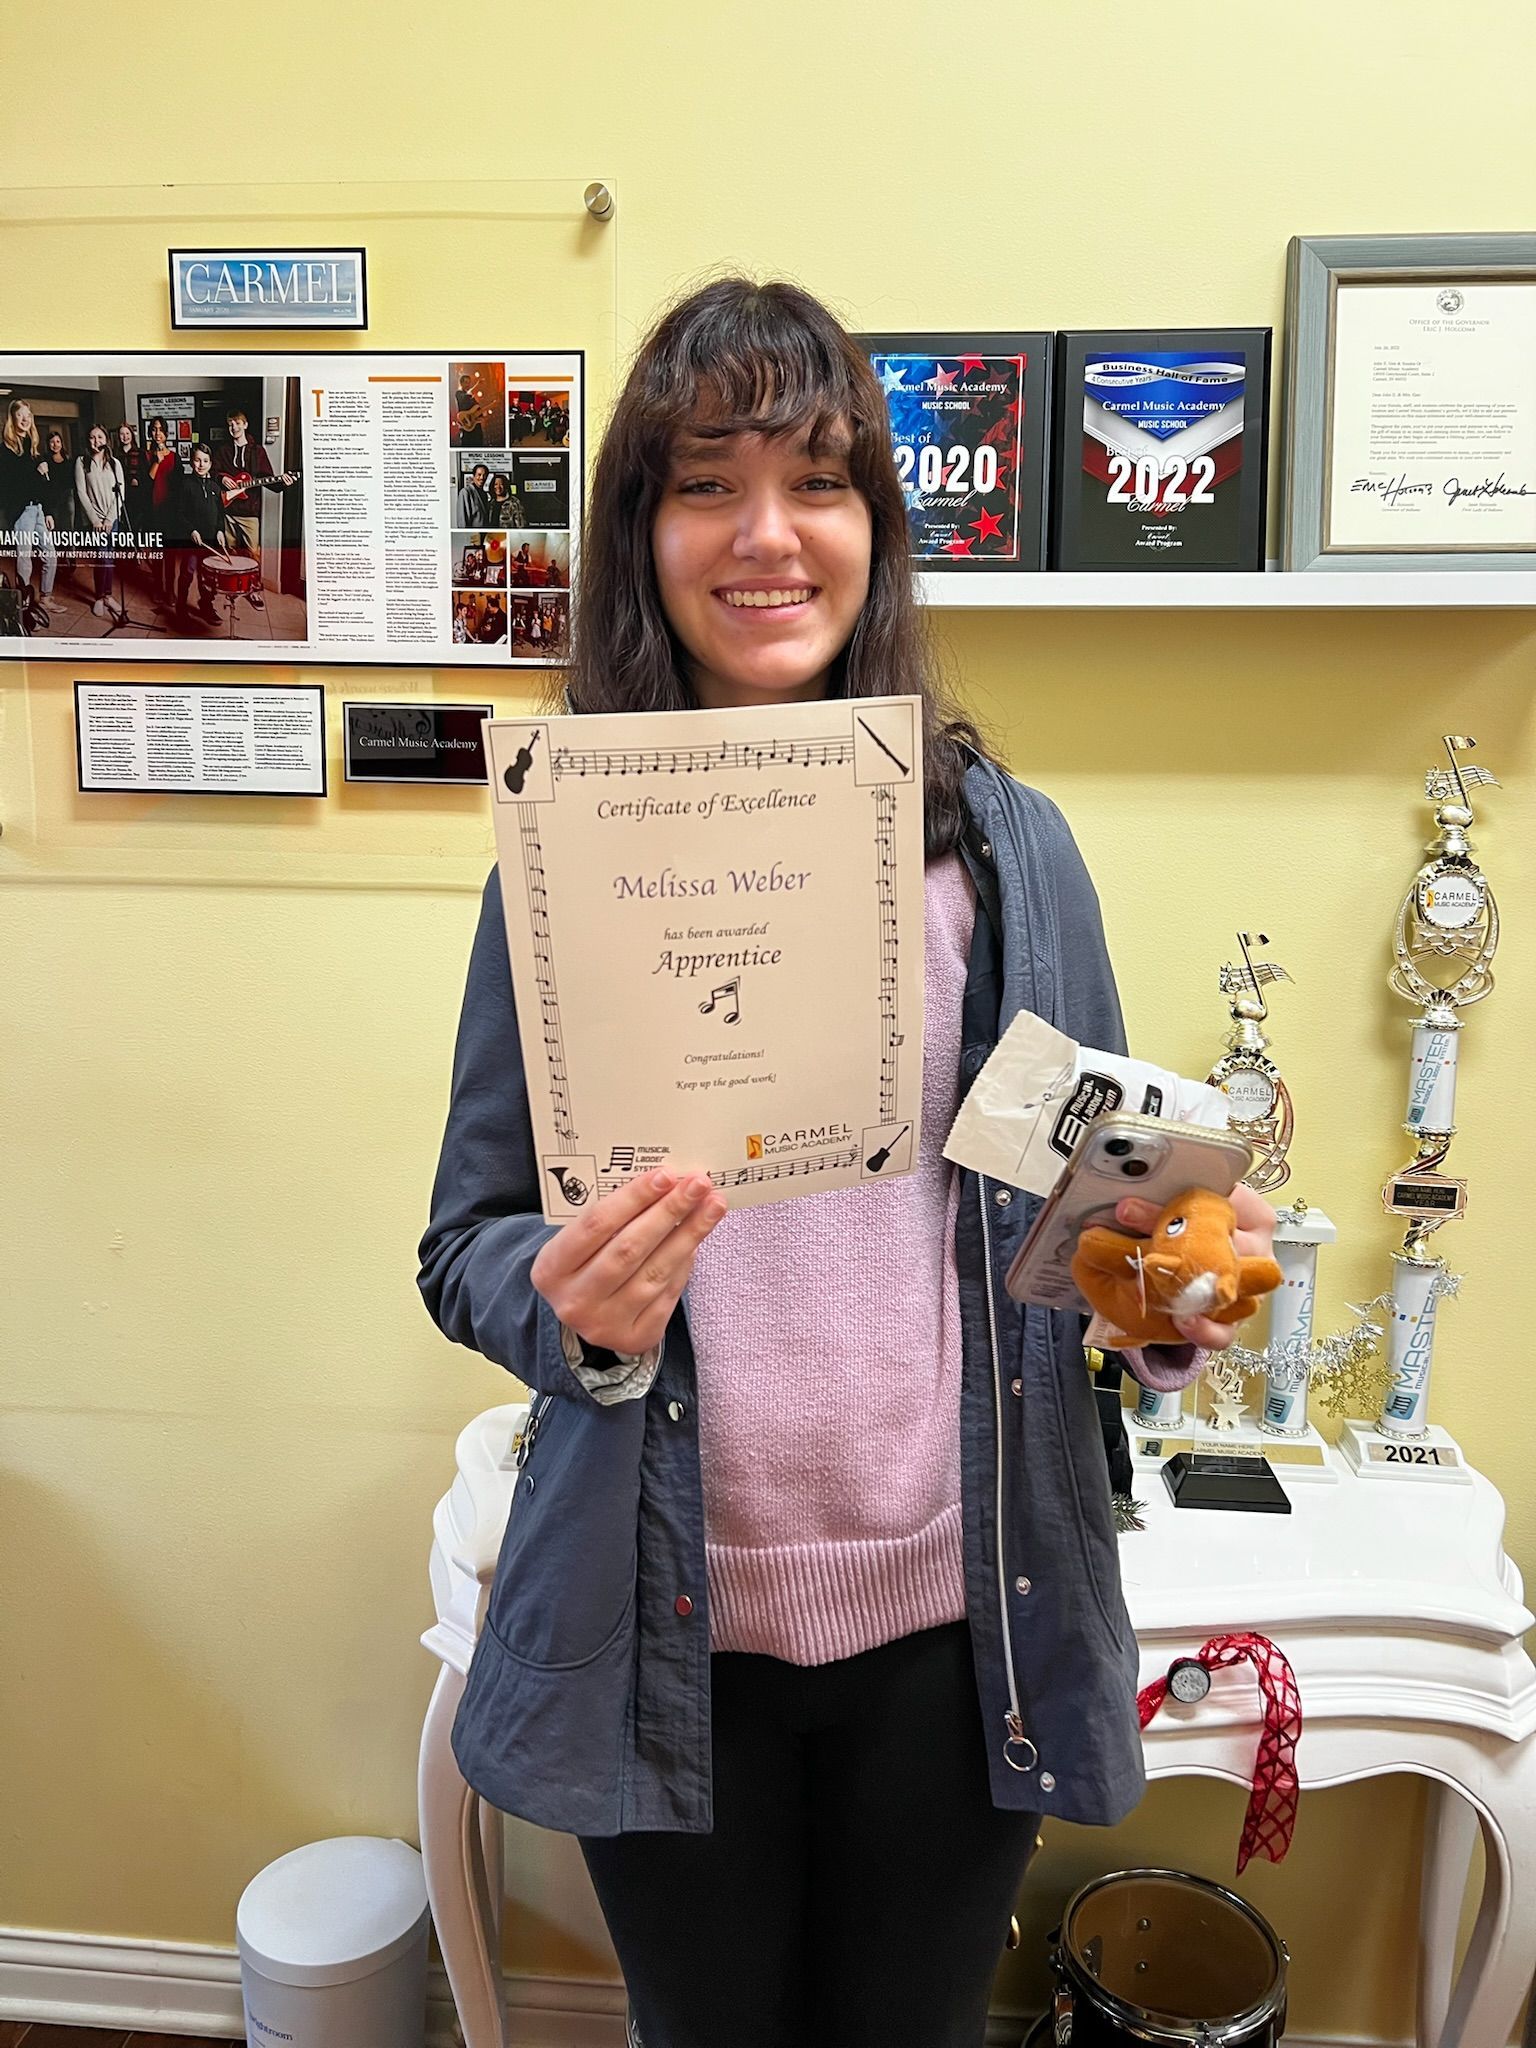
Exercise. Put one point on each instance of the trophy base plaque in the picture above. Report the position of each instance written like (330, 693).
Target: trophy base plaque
(1304, 1457)
(1236, 1483)
(1372, 1454)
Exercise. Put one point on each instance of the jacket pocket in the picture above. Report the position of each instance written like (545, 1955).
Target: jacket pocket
(565, 1579)
(547, 1741)
(1081, 1454)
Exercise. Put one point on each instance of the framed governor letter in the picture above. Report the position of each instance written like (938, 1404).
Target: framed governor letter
(1410, 438)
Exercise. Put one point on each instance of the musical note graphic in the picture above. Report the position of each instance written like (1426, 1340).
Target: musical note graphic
(1441, 784)
(517, 772)
(880, 1159)
(727, 990)
(1253, 976)
(571, 1185)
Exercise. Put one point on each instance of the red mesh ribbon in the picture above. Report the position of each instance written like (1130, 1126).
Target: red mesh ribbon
(1271, 1817)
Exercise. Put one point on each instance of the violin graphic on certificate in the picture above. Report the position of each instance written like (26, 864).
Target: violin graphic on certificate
(517, 769)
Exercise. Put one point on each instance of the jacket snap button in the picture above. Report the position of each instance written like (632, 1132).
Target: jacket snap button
(682, 1605)
(676, 1410)
(1018, 1386)
(986, 849)
(528, 1482)
(1002, 1197)
(1021, 1585)
(1047, 1782)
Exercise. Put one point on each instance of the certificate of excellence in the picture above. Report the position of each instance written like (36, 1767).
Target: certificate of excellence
(715, 923)
(1432, 416)
(970, 417)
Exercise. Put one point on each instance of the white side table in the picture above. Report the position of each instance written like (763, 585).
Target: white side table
(1394, 1602)
(1403, 1619)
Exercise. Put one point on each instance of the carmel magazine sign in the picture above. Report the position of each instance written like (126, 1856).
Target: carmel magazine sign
(715, 921)
(269, 288)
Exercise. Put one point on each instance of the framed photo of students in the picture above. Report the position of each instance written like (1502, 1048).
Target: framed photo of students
(970, 420)
(414, 509)
(1410, 403)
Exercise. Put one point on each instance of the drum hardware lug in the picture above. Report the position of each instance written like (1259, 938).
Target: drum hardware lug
(1061, 2016)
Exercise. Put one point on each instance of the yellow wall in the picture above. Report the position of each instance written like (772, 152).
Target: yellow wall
(227, 1040)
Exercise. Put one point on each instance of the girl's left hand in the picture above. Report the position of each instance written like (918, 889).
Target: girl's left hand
(1253, 1236)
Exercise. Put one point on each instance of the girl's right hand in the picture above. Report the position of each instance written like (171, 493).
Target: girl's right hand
(615, 1275)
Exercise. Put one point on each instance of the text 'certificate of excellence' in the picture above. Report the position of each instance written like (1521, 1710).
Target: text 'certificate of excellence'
(1432, 416)
(715, 921)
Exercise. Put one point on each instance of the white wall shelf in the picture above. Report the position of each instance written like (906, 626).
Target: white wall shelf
(1316, 590)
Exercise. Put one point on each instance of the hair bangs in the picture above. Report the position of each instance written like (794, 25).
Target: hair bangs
(738, 364)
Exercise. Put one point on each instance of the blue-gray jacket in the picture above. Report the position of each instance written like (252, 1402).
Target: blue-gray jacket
(588, 1701)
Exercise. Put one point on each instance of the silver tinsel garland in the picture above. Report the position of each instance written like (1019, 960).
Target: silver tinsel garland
(1344, 1367)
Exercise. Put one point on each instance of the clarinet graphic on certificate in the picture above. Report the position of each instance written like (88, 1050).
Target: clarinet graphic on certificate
(715, 929)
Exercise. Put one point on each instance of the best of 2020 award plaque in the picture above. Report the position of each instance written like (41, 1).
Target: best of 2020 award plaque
(970, 425)
(715, 922)
(1161, 449)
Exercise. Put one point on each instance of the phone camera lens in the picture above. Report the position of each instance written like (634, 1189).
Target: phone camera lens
(1117, 1147)
(1135, 1167)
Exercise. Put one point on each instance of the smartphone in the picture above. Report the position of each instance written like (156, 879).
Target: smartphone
(1121, 1154)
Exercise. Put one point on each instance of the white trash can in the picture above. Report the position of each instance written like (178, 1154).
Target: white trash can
(333, 1947)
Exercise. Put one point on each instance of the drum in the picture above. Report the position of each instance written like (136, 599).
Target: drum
(1159, 1956)
(230, 575)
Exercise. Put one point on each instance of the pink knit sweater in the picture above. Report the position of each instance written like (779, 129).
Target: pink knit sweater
(827, 1335)
(827, 1338)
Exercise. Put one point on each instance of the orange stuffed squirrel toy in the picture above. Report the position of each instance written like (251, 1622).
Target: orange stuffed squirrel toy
(1188, 1267)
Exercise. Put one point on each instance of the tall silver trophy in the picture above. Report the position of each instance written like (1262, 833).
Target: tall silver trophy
(1443, 944)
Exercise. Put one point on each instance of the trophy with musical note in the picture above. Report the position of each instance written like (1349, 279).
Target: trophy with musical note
(1443, 944)
(1259, 1103)
(1260, 1108)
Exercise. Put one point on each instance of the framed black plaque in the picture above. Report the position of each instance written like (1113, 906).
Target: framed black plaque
(1161, 449)
(417, 741)
(970, 431)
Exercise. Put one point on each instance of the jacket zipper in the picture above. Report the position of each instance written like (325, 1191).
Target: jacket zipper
(1019, 1753)
(523, 1441)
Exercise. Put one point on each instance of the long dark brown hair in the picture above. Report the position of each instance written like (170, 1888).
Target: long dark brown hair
(739, 357)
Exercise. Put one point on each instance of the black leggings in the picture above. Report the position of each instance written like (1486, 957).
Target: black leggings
(856, 1889)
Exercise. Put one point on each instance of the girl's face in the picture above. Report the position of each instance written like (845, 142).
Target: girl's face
(762, 554)
(23, 419)
(98, 439)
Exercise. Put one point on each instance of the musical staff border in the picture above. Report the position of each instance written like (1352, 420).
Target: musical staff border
(761, 1171)
(824, 753)
(544, 974)
(885, 899)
